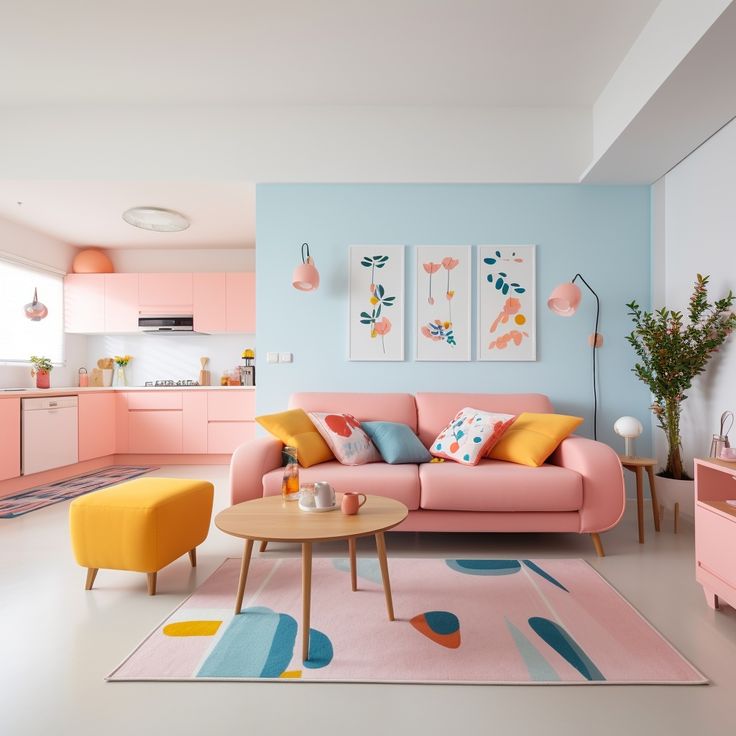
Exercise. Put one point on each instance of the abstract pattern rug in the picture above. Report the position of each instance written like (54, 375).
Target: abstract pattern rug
(458, 621)
(64, 490)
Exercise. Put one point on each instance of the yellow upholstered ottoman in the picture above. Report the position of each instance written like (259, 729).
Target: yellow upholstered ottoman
(140, 525)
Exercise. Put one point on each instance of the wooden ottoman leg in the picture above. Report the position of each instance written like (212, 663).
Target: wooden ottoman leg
(91, 575)
(193, 557)
(151, 583)
(597, 544)
(263, 546)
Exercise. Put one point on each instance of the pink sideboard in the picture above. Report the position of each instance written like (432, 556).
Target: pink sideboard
(111, 303)
(715, 530)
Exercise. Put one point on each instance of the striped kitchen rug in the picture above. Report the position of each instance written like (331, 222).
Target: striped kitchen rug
(64, 490)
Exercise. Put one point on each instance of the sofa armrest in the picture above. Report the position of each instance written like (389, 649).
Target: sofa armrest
(249, 463)
(604, 491)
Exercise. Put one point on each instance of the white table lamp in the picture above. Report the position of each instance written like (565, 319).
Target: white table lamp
(629, 428)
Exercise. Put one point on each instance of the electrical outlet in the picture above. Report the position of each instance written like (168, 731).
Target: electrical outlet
(286, 357)
(272, 357)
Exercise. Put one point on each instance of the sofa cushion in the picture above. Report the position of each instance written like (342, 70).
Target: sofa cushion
(295, 428)
(494, 485)
(434, 409)
(470, 435)
(365, 407)
(400, 482)
(397, 442)
(345, 436)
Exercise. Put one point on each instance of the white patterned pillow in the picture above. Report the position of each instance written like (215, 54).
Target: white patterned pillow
(346, 438)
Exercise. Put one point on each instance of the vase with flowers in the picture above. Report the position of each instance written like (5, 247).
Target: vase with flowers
(121, 361)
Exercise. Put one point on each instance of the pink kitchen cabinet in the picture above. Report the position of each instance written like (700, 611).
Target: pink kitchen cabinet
(165, 291)
(210, 302)
(97, 421)
(231, 405)
(194, 422)
(225, 437)
(155, 432)
(241, 302)
(121, 422)
(10, 445)
(121, 302)
(84, 302)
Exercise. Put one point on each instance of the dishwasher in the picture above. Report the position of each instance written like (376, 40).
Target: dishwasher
(49, 433)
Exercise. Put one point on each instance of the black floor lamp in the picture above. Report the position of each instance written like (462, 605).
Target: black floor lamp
(564, 301)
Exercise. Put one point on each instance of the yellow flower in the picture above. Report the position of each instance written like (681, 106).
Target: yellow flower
(373, 333)
(447, 325)
(374, 300)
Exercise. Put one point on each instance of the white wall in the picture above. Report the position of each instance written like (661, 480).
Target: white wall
(43, 250)
(695, 221)
(141, 260)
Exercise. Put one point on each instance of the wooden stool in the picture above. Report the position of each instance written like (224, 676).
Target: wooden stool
(635, 465)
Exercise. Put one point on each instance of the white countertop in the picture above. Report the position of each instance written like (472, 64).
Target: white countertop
(74, 390)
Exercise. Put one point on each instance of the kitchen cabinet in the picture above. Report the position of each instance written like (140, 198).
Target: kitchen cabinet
(240, 293)
(10, 445)
(84, 302)
(225, 437)
(96, 425)
(194, 422)
(210, 302)
(155, 431)
(165, 292)
(121, 302)
(231, 406)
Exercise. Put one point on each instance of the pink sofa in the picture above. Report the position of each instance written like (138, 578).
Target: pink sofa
(580, 489)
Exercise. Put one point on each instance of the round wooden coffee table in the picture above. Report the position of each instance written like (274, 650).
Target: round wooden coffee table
(272, 519)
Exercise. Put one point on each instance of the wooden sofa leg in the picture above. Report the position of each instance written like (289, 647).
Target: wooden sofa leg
(597, 544)
(151, 583)
(193, 557)
(263, 546)
(91, 575)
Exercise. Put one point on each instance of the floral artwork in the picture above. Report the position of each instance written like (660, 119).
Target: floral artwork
(443, 286)
(376, 302)
(506, 302)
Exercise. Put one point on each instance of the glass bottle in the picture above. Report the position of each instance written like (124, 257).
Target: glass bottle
(290, 483)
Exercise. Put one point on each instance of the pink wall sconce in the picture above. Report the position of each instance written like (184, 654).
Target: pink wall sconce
(306, 275)
(564, 301)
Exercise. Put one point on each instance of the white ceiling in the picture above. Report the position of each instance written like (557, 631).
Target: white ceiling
(343, 52)
(222, 214)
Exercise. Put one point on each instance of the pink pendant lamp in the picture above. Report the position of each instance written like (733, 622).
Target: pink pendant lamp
(306, 275)
(564, 301)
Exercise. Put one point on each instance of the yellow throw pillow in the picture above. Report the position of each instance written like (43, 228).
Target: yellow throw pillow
(295, 428)
(532, 438)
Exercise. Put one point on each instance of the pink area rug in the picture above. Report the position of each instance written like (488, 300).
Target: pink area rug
(64, 490)
(458, 621)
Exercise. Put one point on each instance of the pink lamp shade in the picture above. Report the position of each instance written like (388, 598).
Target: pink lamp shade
(306, 275)
(564, 299)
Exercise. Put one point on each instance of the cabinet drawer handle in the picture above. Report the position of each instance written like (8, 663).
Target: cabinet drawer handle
(53, 403)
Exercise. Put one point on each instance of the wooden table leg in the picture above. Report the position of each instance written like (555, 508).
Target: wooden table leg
(655, 503)
(353, 571)
(263, 546)
(381, 549)
(247, 551)
(306, 596)
(640, 502)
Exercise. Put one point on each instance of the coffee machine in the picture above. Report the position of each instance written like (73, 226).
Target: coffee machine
(248, 371)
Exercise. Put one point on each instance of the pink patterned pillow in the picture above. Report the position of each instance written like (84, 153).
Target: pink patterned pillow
(346, 438)
(471, 435)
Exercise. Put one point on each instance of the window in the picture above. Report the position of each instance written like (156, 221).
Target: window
(20, 337)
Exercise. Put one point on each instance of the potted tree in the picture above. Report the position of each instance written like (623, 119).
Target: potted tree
(674, 348)
(42, 368)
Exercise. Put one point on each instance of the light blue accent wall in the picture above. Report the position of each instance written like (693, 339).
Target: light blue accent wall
(602, 232)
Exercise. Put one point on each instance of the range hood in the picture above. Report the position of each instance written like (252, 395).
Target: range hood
(166, 323)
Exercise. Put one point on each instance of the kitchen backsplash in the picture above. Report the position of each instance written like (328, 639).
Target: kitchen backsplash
(175, 357)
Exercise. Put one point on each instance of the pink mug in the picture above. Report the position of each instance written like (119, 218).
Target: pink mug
(351, 502)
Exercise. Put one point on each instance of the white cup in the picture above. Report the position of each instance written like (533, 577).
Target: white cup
(324, 495)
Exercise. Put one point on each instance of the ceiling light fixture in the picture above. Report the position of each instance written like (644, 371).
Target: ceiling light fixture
(157, 219)
(35, 310)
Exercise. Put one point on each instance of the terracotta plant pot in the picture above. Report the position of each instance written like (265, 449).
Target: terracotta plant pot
(43, 379)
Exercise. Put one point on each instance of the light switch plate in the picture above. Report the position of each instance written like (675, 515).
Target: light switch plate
(286, 357)
(272, 357)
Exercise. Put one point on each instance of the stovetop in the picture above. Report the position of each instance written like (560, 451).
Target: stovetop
(163, 384)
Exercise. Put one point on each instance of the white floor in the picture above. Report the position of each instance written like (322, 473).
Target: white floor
(57, 642)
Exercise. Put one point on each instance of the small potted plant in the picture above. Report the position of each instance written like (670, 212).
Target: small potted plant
(41, 370)
(121, 361)
(674, 348)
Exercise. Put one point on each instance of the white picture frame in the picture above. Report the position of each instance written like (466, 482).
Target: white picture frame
(506, 317)
(443, 302)
(376, 302)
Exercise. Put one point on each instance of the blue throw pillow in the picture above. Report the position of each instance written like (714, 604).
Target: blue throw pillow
(396, 442)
